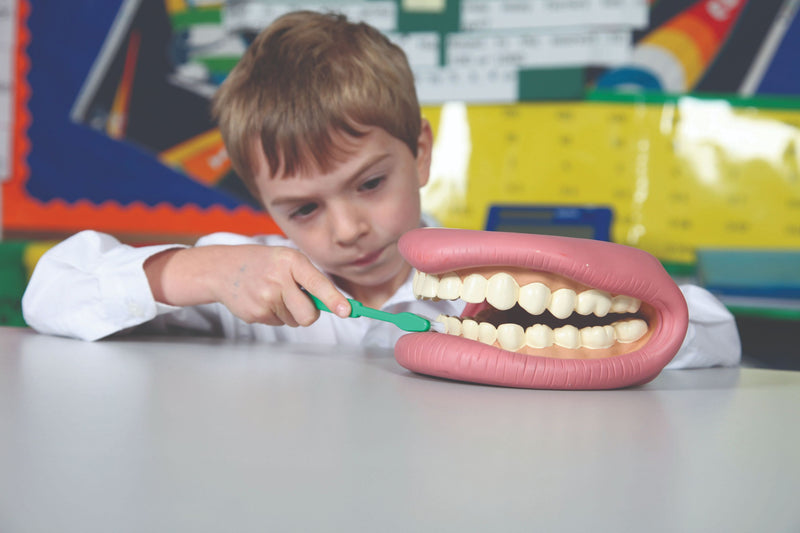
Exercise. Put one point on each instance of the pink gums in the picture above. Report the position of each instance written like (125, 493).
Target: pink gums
(611, 267)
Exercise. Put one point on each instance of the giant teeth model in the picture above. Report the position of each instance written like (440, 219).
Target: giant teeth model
(542, 311)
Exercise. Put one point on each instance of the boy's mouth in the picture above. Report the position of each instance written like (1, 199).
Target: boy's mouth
(367, 259)
(543, 311)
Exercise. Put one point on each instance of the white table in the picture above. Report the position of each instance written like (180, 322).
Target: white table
(186, 434)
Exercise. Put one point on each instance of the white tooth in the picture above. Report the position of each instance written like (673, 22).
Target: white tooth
(511, 336)
(567, 337)
(534, 298)
(539, 336)
(430, 286)
(625, 304)
(630, 330)
(593, 301)
(502, 291)
(442, 319)
(562, 303)
(449, 287)
(597, 337)
(487, 333)
(469, 329)
(416, 285)
(473, 290)
(453, 325)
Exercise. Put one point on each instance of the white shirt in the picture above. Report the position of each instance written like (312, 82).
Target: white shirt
(91, 286)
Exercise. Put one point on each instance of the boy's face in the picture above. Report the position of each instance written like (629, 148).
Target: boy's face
(348, 220)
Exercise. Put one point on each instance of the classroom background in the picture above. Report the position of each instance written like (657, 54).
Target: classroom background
(668, 125)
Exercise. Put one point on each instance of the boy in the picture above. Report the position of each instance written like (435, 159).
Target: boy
(321, 121)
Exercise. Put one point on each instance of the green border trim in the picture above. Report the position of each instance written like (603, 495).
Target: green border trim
(765, 312)
(679, 269)
(655, 97)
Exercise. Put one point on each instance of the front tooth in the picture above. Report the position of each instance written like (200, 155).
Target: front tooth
(539, 336)
(487, 333)
(453, 325)
(469, 329)
(567, 337)
(562, 303)
(416, 285)
(630, 330)
(449, 287)
(502, 291)
(473, 290)
(511, 336)
(429, 286)
(625, 304)
(597, 337)
(534, 298)
(593, 301)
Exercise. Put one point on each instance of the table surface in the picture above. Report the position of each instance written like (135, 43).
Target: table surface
(195, 434)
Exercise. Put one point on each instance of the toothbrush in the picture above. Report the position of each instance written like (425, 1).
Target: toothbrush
(405, 321)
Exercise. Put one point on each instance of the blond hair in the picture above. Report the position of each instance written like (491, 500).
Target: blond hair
(304, 77)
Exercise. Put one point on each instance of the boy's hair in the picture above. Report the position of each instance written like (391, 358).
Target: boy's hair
(306, 76)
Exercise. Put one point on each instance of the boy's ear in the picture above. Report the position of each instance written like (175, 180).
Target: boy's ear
(424, 151)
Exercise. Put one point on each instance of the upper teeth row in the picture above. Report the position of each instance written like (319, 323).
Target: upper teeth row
(502, 291)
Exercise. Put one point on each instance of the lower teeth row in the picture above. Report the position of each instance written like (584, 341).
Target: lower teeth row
(513, 337)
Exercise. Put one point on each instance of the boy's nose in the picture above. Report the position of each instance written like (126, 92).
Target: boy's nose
(348, 224)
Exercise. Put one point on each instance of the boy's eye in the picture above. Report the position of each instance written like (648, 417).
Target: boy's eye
(304, 210)
(373, 183)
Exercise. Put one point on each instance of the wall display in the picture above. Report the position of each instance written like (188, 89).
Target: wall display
(679, 174)
(678, 116)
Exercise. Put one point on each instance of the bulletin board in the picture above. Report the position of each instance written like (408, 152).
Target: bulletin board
(680, 116)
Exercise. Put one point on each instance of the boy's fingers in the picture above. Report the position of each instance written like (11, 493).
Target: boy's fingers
(301, 308)
(317, 284)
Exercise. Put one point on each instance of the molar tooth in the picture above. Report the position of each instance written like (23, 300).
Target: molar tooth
(416, 285)
(487, 333)
(453, 326)
(562, 303)
(502, 291)
(429, 286)
(442, 319)
(567, 337)
(473, 290)
(534, 298)
(625, 304)
(539, 336)
(469, 329)
(511, 336)
(593, 301)
(630, 330)
(449, 287)
(597, 337)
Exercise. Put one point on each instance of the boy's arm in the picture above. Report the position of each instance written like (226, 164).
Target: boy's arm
(712, 338)
(90, 286)
(257, 283)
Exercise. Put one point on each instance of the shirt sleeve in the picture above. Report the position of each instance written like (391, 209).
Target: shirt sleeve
(91, 286)
(712, 338)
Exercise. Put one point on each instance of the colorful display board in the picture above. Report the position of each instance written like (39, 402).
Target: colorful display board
(679, 116)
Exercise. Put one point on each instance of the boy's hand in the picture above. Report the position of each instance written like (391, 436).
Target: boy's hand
(256, 283)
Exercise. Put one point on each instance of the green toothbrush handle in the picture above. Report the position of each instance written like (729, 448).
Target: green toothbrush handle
(405, 321)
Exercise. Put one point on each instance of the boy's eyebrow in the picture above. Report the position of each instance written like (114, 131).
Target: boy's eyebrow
(356, 175)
